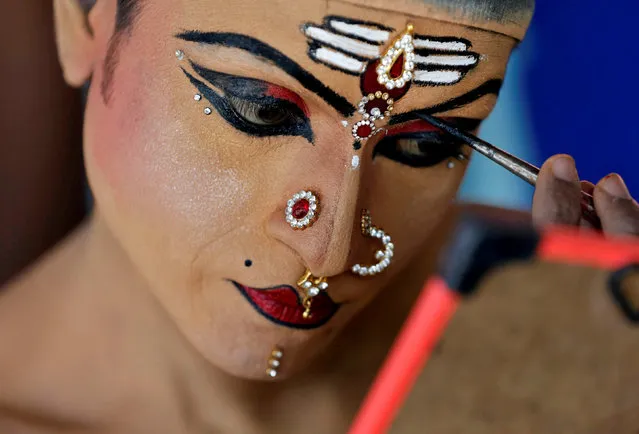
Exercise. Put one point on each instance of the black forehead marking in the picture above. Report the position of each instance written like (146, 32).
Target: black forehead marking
(491, 87)
(275, 57)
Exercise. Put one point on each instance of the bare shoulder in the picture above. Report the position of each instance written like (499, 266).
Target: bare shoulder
(30, 371)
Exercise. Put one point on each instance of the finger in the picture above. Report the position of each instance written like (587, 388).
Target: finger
(587, 187)
(558, 193)
(618, 211)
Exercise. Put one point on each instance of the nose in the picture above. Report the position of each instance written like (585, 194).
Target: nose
(325, 170)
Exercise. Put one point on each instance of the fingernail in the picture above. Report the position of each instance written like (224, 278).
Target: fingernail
(614, 185)
(564, 168)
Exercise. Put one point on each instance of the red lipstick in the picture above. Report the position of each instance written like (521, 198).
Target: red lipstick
(283, 306)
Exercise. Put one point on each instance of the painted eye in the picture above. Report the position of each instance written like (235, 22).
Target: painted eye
(245, 106)
(272, 114)
(421, 150)
(411, 146)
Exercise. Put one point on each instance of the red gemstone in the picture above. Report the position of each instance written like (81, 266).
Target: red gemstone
(381, 104)
(301, 208)
(368, 83)
(364, 131)
(398, 67)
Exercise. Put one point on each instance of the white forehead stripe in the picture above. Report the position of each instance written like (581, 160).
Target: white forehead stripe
(344, 43)
(446, 60)
(337, 59)
(372, 35)
(437, 77)
(439, 45)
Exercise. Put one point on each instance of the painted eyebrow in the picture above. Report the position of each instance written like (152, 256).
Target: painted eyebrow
(275, 57)
(491, 87)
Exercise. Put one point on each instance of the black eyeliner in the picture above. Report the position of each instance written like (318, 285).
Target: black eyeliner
(246, 88)
(491, 87)
(243, 86)
(435, 145)
(275, 57)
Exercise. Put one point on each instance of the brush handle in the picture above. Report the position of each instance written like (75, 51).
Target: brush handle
(518, 167)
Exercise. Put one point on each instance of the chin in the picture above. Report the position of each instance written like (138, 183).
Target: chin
(242, 329)
(258, 359)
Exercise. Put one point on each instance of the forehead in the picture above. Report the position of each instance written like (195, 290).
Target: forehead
(280, 24)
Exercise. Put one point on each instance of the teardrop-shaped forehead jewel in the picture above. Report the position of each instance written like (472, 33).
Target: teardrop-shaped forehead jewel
(395, 69)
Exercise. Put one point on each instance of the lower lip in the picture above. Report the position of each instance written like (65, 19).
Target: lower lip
(282, 305)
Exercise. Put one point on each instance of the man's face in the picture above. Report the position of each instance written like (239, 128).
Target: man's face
(195, 187)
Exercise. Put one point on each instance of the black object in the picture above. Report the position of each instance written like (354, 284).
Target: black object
(615, 284)
(481, 242)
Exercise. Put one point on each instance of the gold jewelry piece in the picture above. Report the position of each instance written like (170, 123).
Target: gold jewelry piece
(402, 47)
(383, 257)
(311, 286)
(274, 362)
(384, 82)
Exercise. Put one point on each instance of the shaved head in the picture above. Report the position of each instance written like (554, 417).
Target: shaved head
(488, 10)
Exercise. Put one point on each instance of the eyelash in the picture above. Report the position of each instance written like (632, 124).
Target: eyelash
(432, 148)
(243, 112)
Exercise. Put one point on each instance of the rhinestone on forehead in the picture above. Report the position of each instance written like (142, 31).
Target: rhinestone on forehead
(384, 81)
(400, 53)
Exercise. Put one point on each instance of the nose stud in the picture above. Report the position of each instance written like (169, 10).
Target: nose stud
(384, 256)
(302, 210)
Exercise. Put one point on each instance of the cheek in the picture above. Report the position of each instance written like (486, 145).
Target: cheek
(149, 152)
(413, 201)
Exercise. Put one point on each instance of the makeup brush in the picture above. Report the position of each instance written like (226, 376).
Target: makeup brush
(476, 248)
(514, 165)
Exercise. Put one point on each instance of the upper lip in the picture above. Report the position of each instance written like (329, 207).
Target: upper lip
(282, 305)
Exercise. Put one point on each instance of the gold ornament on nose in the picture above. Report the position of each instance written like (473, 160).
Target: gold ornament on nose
(311, 286)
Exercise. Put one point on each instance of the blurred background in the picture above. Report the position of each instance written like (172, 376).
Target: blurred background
(570, 89)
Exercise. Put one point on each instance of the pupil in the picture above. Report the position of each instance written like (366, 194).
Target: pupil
(272, 115)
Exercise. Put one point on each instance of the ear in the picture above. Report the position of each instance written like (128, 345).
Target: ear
(76, 44)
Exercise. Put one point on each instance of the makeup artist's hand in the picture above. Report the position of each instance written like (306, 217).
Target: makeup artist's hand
(558, 195)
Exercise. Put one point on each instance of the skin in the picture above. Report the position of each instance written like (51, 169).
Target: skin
(134, 310)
